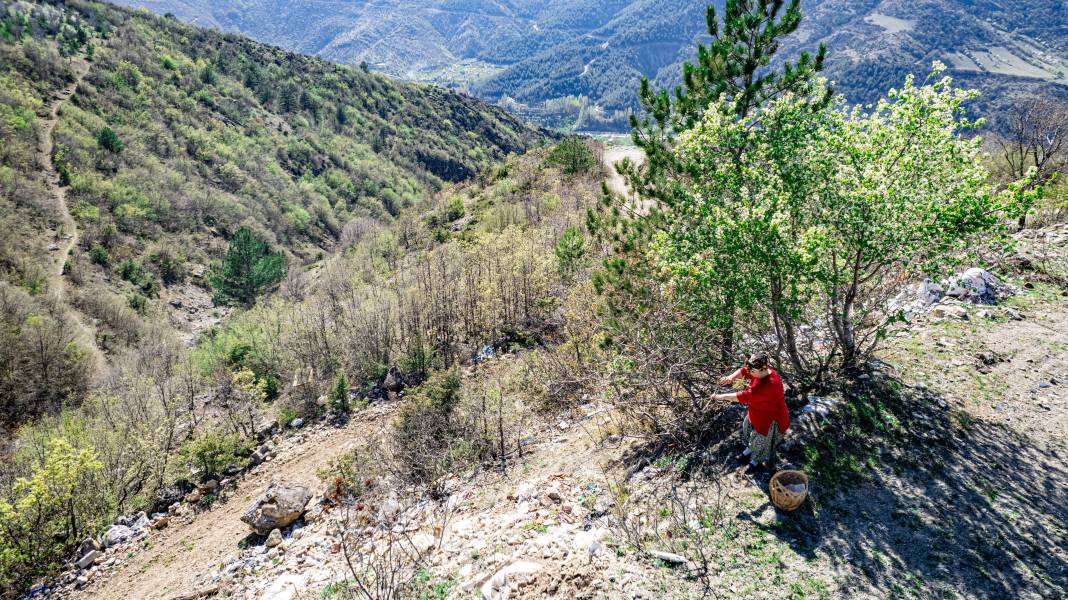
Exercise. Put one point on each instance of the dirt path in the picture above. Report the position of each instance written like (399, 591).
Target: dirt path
(67, 234)
(45, 144)
(615, 154)
(171, 560)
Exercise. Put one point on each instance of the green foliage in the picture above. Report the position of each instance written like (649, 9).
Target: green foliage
(339, 395)
(570, 249)
(733, 65)
(728, 78)
(454, 209)
(47, 515)
(247, 270)
(132, 271)
(424, 428)
(574, 155)
(214, 452)
(99, 255)
(820, 205)
(138, 302)
(108, 140)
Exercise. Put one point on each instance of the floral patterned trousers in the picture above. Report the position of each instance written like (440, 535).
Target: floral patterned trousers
(761, 447)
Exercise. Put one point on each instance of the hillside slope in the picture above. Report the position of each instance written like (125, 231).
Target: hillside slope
(154, 141)
(584, 58)
(962, 493)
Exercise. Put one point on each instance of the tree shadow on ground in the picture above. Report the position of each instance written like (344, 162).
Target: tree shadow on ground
(938, 505)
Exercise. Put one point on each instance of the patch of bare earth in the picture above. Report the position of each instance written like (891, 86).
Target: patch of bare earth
(170, 563)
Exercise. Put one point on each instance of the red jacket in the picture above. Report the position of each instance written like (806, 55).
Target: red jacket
(766, 401)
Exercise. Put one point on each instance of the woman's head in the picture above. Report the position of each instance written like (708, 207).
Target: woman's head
(757, 364)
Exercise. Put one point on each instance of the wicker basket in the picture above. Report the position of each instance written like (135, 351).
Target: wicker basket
(784, 498)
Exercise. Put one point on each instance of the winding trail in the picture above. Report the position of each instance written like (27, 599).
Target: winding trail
(45, 144)
(616, 183)
(169, 565)
(67, 232)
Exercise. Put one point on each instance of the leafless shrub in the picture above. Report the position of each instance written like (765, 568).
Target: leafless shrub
(687, 520)
(383, 548)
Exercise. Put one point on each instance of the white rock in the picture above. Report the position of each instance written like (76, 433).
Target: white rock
(117, 534)
(668, 557)
(87, 560)
(497, 586)
(285, 587)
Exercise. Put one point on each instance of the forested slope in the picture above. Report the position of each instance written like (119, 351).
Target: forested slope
(176, 138)
(576, 64)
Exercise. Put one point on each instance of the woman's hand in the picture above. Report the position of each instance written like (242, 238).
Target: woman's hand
(729, 379)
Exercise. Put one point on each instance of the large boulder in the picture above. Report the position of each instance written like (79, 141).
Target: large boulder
(277, 507)
(171, 494)
(118, 534)
(979, 286)
(394, 381)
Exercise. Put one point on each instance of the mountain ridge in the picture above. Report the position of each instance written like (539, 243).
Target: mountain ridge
(577, 64)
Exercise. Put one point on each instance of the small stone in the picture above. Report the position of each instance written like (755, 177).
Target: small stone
(274, 539)
(193, 497)
(87, 546)
(668, 557)
(297, 423)
(87, 560)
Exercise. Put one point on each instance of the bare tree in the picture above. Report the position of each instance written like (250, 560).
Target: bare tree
(1036, 136)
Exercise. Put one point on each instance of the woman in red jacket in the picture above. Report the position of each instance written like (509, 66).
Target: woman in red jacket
(768, 418)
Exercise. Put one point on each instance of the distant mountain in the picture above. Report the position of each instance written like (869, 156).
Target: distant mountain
(577, 62)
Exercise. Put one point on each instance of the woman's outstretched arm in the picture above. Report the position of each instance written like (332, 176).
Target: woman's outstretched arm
(729, 379)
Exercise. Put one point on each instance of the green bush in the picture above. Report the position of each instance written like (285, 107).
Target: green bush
(573, 156)
(339, 395)
(247, 270)
(214, 452)
(454, 209)
(47, 515)
(570, 249)
(99, 255)
(425, 432)
(138, 303)
(107, 139)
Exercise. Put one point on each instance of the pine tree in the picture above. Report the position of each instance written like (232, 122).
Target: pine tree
(247, 270)
(107, 139)
(339, 395)
(733, 74)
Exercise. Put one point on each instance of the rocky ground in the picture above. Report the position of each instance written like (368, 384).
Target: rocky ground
(950, 483)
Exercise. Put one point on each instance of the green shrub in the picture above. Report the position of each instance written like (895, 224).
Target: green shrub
(138, 303)
(247, 270)
(214, 452)
(339, 395)
(47, 515)
(107, 139)
(573, 156)
(99, 255)
(570, 249)
(454, 209)
(425, 432)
